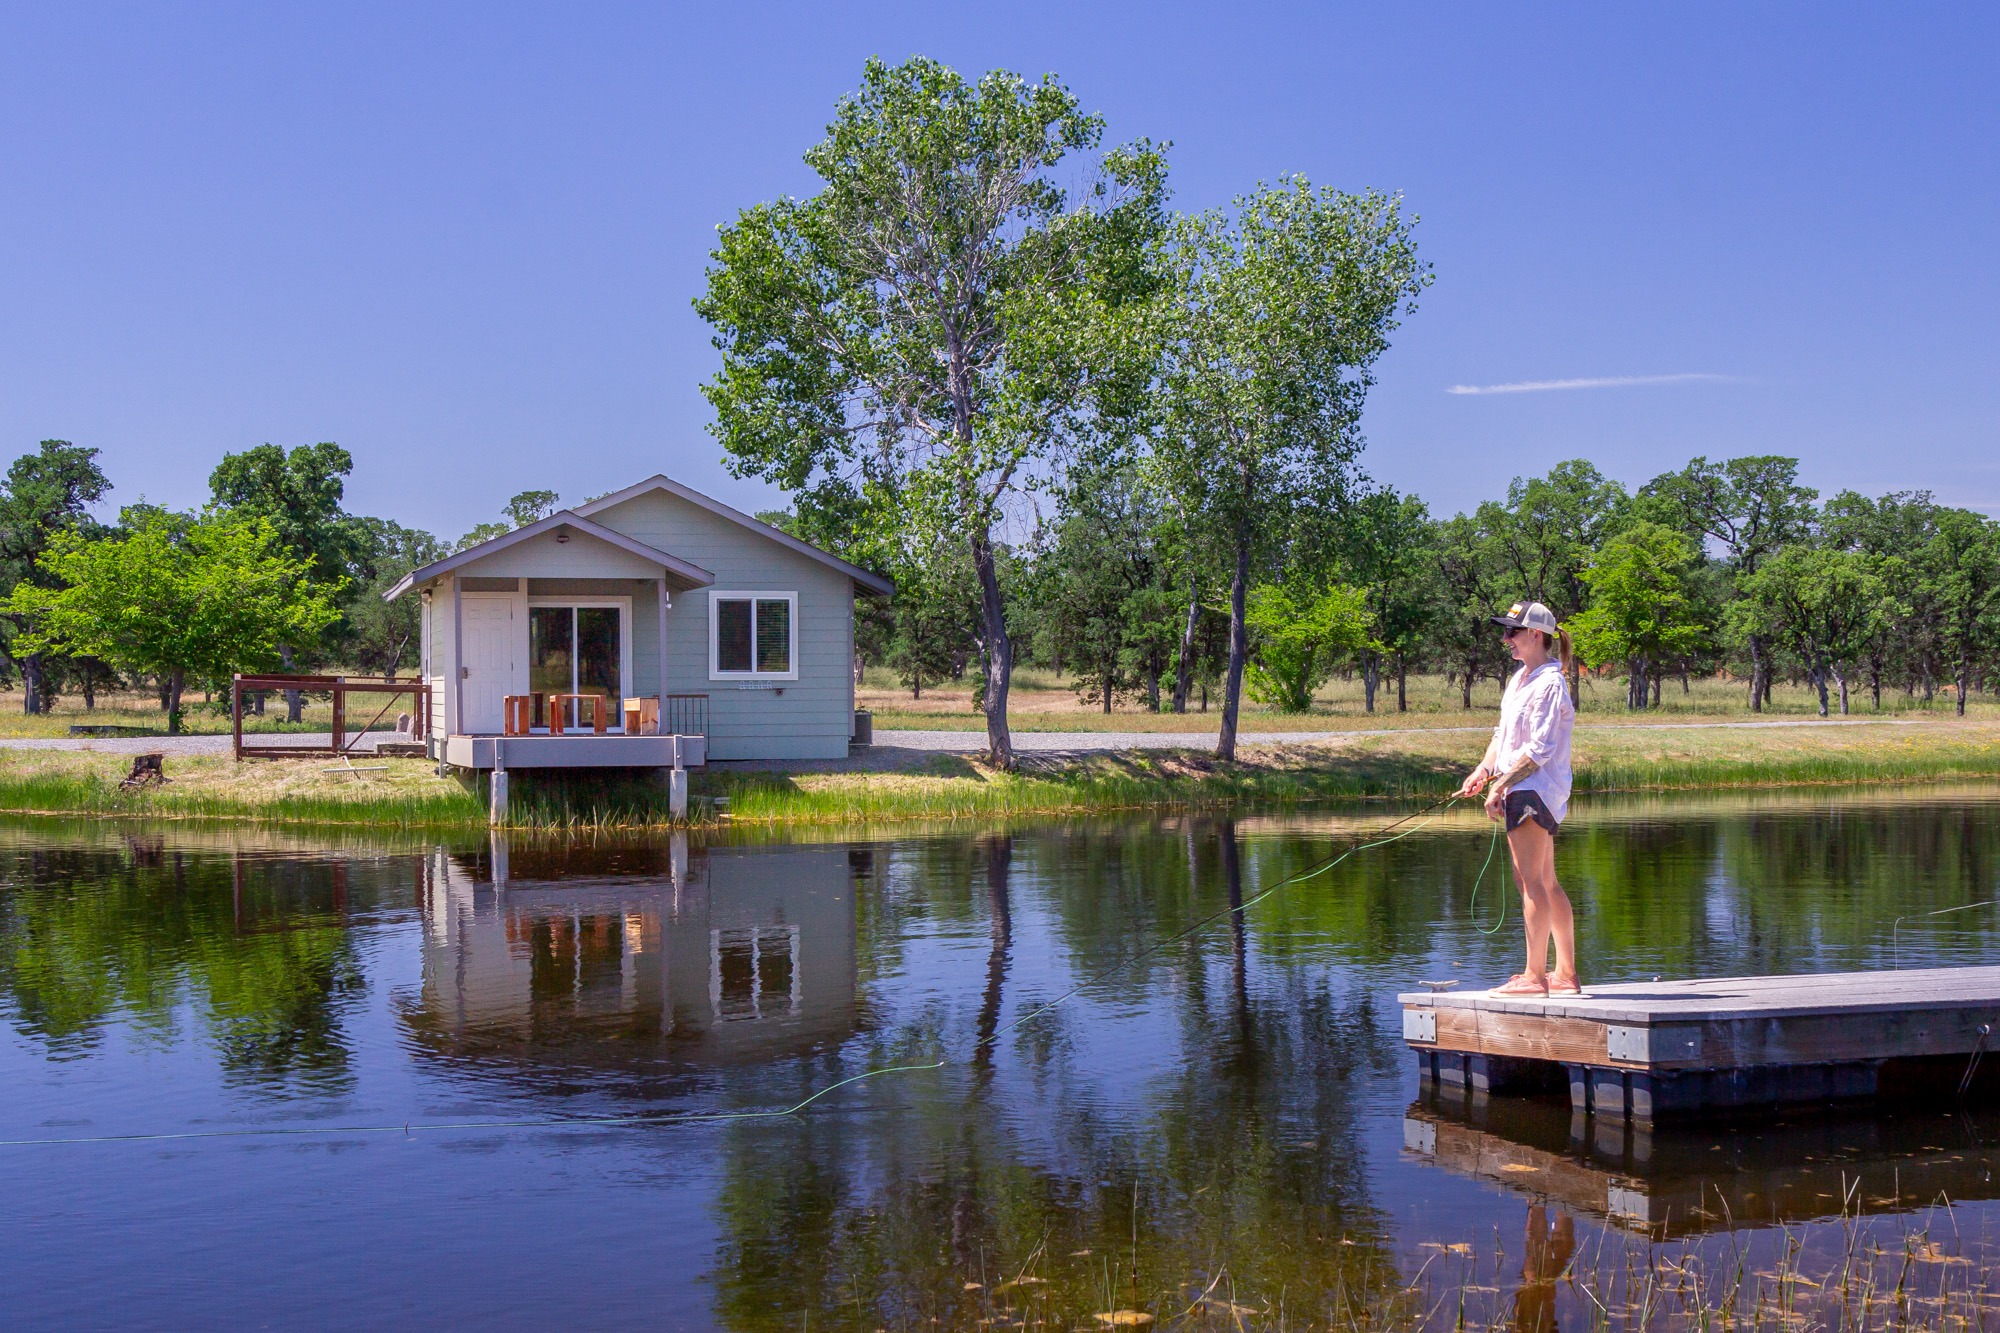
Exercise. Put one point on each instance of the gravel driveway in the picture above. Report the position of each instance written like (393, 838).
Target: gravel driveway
(891, 745)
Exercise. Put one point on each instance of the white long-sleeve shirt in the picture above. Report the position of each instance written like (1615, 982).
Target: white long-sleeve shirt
(1535, 719)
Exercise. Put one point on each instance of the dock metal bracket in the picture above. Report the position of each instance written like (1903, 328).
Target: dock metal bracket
(1420, 1025)
(1649, 1045)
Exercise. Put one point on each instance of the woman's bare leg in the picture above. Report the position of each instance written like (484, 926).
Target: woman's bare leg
(1534, 917)
(1544, 906)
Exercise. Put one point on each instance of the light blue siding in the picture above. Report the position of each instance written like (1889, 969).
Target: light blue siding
(808, 718)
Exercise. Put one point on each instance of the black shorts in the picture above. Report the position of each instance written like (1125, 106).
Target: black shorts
(1525, 805)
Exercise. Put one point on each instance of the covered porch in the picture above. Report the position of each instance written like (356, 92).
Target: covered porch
(547, 648)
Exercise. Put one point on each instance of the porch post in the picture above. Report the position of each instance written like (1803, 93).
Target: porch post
(660, 622)
(457, 681)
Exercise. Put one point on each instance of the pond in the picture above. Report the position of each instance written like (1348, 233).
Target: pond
(256, 1078)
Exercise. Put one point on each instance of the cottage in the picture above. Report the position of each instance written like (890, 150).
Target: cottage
(651, 623)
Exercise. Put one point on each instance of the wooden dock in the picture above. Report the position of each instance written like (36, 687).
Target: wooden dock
(1643, 1050)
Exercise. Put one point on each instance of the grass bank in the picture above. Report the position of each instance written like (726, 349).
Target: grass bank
(1364, 768)
(407, 793)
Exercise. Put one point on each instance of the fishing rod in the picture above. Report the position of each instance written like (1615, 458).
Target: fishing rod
(1381, 837)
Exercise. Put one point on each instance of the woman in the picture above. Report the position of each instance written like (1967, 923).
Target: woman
(1528, 765)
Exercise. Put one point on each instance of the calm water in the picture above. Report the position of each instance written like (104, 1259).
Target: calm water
(1233, 1116)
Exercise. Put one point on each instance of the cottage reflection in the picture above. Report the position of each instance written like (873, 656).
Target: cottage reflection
(638, 958)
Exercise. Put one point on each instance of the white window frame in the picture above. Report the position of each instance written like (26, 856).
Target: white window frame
(623, 605)
(714, 627)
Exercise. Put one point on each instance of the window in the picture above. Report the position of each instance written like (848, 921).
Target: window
(753, 971)
(579, 647)
(753, 635)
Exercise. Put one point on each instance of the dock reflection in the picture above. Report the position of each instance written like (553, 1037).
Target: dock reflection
(1692, 1180)
(559, 958)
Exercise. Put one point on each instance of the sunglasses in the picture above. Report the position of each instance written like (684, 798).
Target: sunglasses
(1509, 631)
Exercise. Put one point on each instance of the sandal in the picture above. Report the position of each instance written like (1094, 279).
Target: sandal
(1570, 985)
(1522, 984)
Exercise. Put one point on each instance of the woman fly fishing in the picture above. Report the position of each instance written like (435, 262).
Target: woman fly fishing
(1527, 763)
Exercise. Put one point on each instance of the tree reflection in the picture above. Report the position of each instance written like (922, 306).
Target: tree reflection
(1241, 1168)
(259, 947)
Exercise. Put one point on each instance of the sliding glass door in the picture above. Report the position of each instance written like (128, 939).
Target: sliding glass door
(577, 650)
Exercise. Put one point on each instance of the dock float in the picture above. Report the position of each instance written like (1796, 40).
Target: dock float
(1646, 1050)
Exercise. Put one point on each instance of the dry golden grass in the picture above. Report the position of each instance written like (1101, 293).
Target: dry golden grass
(1041, 701)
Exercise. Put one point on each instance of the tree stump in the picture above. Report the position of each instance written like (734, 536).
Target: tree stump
(147, 771)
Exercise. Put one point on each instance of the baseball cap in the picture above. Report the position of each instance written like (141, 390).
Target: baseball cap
(1528, 615)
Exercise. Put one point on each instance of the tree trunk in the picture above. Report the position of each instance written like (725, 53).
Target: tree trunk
(89, 690)
(1465, 688)
(1104, 690)
(1153, 688)
(1659, 679)
(31, 684)
(1756, 674)
(1819, 682)
(295, 702)
(916, 684)
(1184, 672)
(1402, 683)
(1840, 678)
(1371, 673)
(1875, 681)
(173, 691)
(999, 653)
(1964, 671)
(1239, 648)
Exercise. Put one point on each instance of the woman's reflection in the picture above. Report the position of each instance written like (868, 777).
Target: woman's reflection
(1544, 1258)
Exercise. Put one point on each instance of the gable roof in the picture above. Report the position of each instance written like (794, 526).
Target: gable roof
(874, 583)
(679, 571)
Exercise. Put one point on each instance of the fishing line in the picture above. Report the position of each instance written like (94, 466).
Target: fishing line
(713, 1117)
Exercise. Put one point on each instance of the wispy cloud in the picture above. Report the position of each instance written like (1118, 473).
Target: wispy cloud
(1601, 382)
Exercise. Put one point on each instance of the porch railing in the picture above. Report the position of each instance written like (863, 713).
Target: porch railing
(418, 691)
(684, 715)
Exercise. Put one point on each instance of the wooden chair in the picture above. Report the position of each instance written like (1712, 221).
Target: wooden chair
(517, 714)
(599, 713)
(642, 717)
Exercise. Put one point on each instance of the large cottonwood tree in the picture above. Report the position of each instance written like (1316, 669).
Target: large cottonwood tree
(910, 344)
(1273, 316)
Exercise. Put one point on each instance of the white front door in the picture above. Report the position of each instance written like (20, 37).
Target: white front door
(491, 658)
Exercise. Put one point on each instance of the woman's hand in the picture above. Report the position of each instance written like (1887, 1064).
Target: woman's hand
(1474, 780)
(1496, 802)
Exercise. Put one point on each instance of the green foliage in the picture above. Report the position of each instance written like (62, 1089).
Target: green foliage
(1386, 546)
(1298, 640)
(1961, 564)
(1815, 602)
(1640, 611)
(384, 636)
(901, 348)
(525, 508)
(1550, 529)
(298, 495)
(45, 493)
(176, 598)
(1273, 316)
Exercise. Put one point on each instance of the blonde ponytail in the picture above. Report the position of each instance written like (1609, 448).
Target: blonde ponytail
(1565, 651)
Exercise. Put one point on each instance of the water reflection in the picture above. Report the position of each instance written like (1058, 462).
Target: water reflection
(1692, 1180)
(556, 959)
(1221, 1128)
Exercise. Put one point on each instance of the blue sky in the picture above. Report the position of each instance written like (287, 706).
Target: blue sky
(462, 241)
